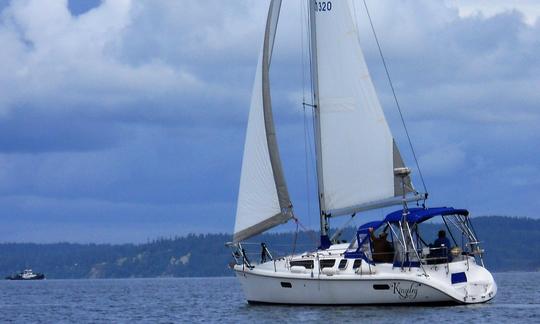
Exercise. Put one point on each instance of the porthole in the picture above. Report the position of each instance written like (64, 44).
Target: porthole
(285, 284)
(381, 287)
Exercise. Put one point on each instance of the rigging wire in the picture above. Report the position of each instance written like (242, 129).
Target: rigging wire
(302, 54)
(355, 17)
(308, 129)
(306, 165)
(295, 238)
(395, 98)
(313, 112)
(306, 230)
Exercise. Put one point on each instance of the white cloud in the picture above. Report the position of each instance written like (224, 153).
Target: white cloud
(488, 8)
(53, 59)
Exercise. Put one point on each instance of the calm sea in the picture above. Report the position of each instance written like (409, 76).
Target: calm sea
(221, 300)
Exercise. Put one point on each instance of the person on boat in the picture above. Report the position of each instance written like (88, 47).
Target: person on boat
(442, 246)
(265, 255)
(383, 251)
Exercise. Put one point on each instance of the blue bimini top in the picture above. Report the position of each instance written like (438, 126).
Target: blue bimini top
(418, 215)
(415, 216)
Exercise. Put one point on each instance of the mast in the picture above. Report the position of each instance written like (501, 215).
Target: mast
(325, 242)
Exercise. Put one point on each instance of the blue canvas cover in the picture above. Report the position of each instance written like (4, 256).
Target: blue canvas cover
(415, 216)
(418, 215)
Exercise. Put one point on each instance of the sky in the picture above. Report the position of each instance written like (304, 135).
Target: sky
(123, 120)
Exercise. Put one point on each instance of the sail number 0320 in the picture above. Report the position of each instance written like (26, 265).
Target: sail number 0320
(323, 5)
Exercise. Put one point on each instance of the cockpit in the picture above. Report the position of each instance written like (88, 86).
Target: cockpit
(405, 238)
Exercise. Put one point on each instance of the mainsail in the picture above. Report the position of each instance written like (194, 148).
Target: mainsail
(263, 199)
(357, 154)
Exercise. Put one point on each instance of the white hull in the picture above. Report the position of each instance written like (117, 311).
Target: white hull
(384, 285)
(260, 289)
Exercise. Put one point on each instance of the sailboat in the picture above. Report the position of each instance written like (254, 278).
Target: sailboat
(359, 168)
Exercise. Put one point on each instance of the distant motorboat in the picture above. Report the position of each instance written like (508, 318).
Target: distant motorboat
(27, 274)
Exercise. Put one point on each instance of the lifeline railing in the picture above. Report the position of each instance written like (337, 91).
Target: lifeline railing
(435, 256)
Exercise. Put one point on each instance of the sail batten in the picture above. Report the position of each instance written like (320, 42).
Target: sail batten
(263, 199)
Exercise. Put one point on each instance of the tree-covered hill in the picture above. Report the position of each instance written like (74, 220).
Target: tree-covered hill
(511, 244)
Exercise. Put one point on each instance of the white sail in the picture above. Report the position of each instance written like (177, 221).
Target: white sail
(357, 151)
(263, 199)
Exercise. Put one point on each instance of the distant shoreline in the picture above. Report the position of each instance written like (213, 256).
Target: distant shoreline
(511, 245)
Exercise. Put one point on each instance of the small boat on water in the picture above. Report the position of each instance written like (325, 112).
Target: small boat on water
(27, 274)
(359, 168)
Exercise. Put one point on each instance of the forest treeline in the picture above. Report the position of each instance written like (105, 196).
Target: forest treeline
(511, 244)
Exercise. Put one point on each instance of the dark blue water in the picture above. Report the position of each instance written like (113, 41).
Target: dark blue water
(221, 300)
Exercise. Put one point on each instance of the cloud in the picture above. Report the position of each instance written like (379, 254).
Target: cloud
(61, 62)
(466, 66)
(489, 8)
(139, 107)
